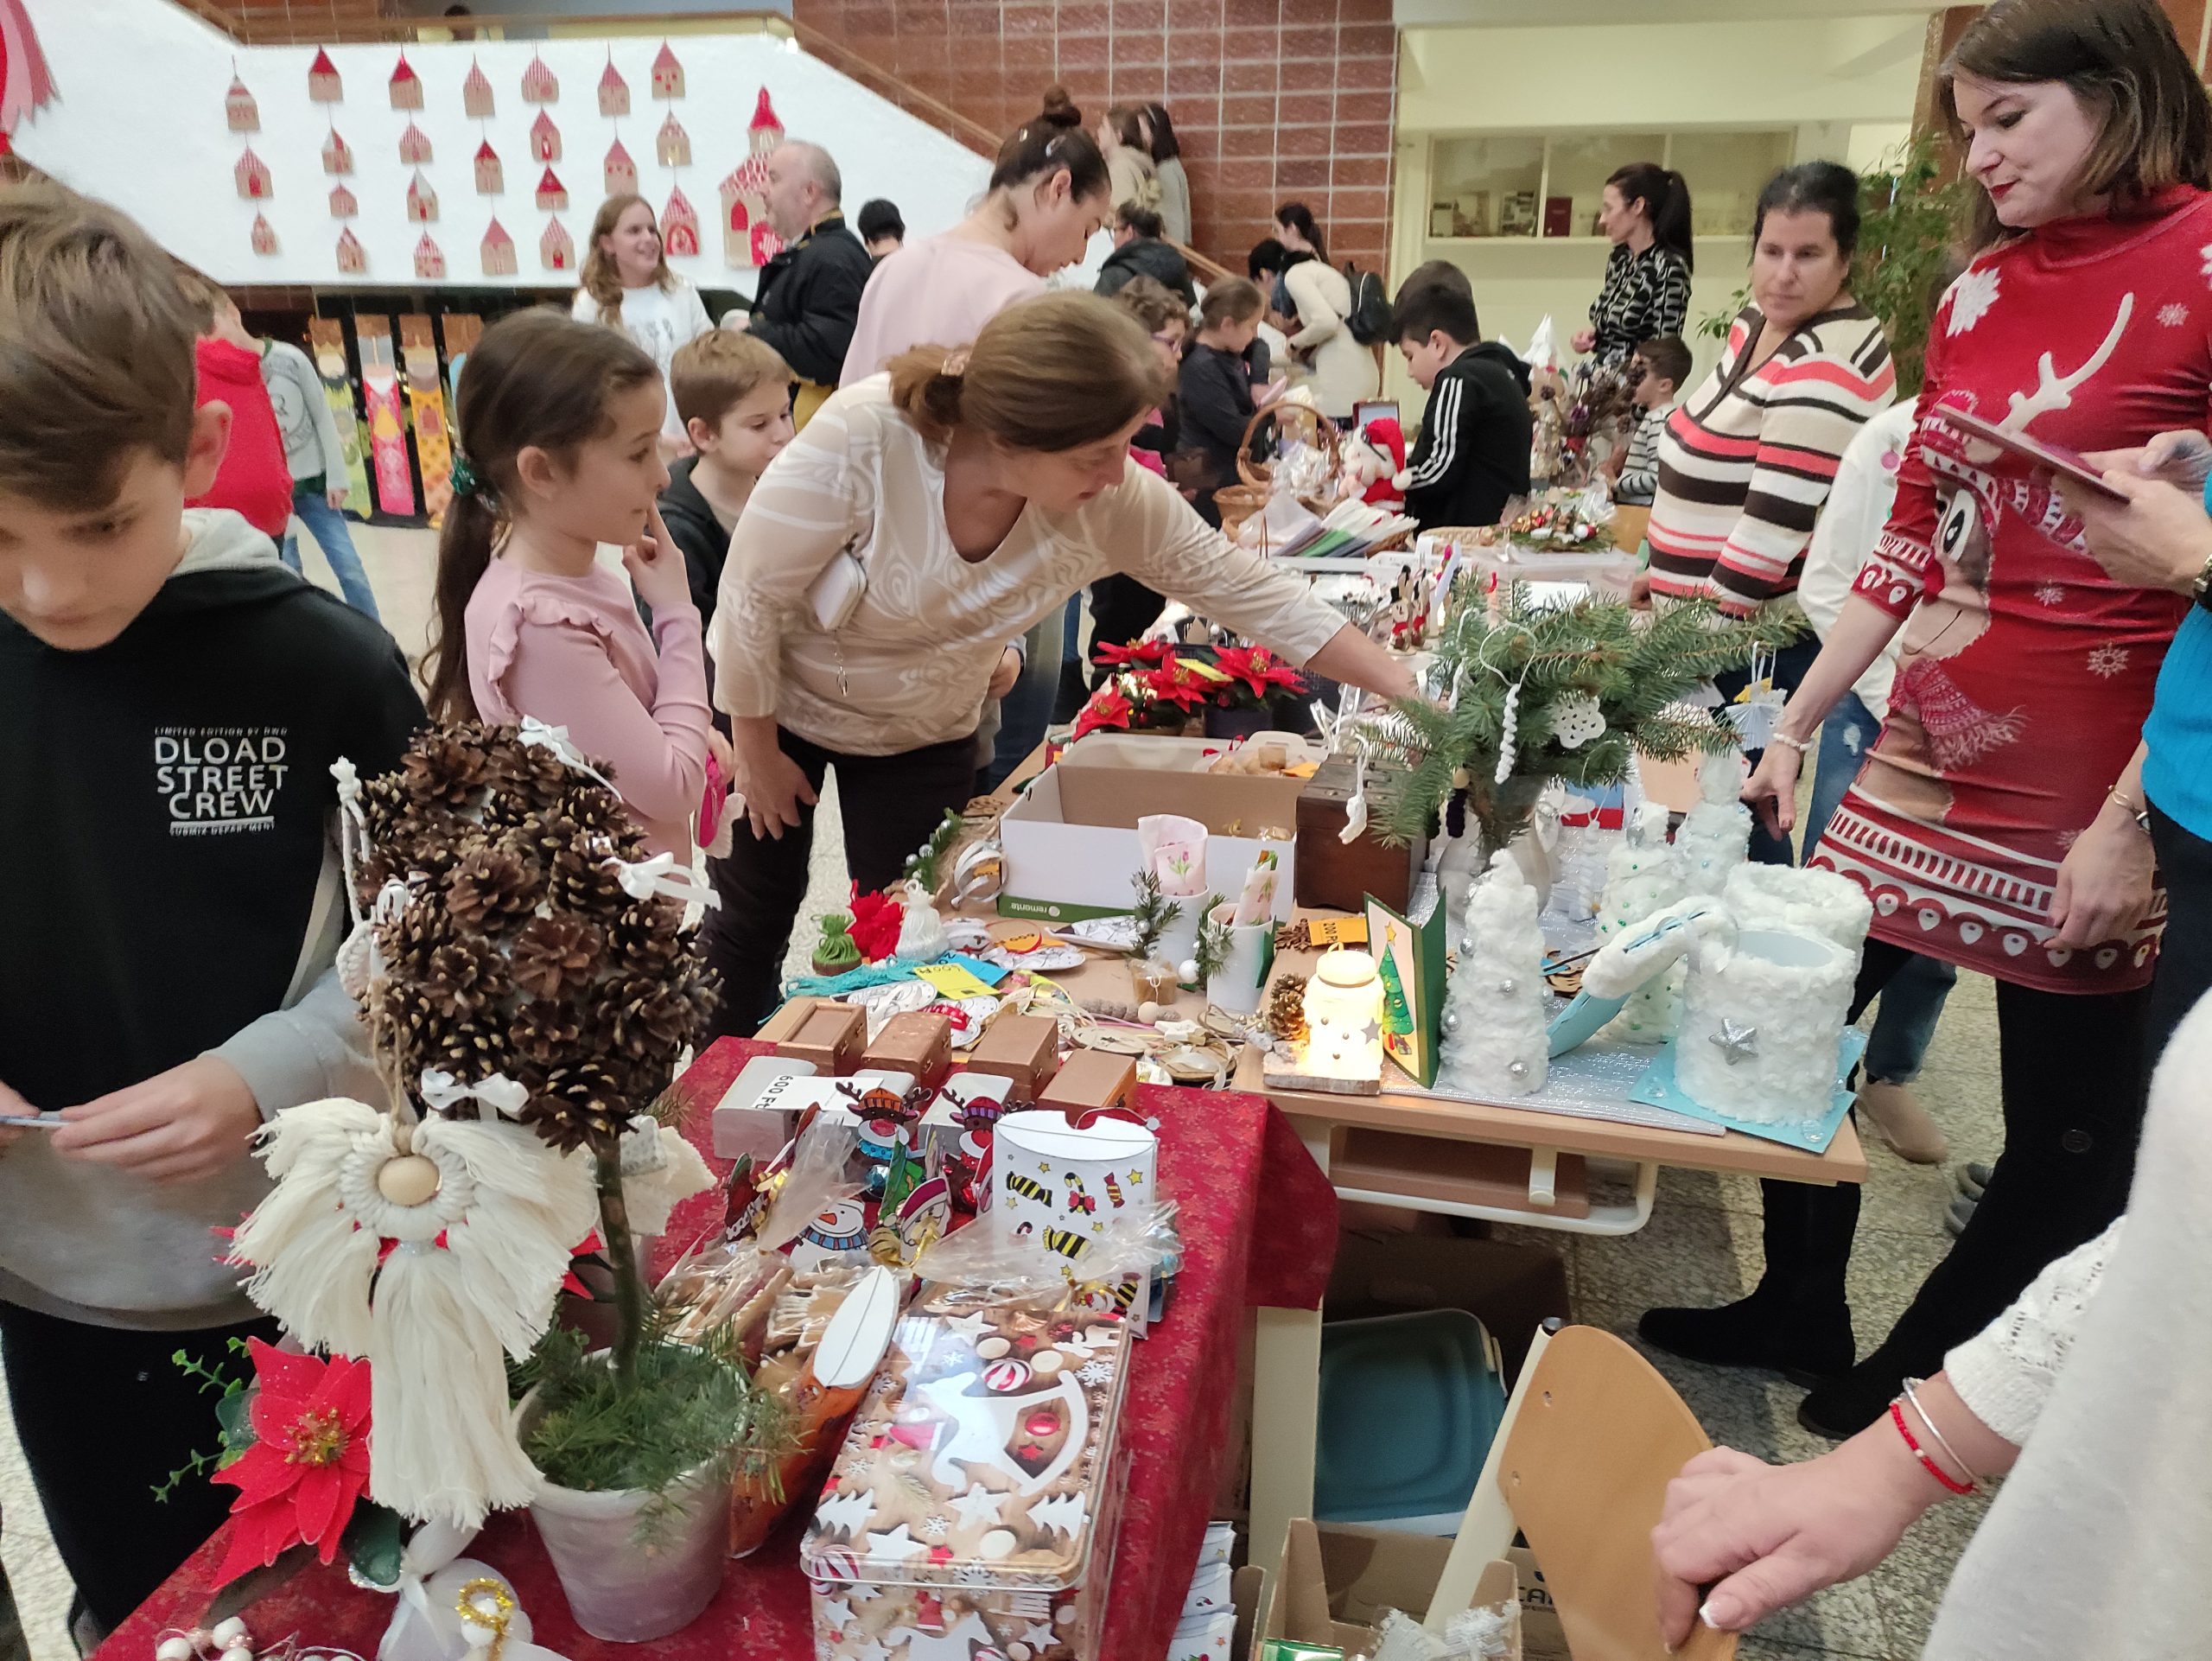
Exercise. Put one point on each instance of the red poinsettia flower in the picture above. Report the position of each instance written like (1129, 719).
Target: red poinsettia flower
(1176, 683)
(1144, 652)
(876, 920)
(309, 1462)
(1255, 669)
(1107, 710)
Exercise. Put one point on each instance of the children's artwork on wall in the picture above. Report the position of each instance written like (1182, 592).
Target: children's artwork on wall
(556, 250)
(619, 172)
(544, 138)
(614, 91)
(352, 258)
(460, 330)
(239, 109)
(552, 194)
(539, 83)
(679, 225)
(342, 205)
(430, 261)
(673, 146)
(324, 85)
(426, 405)
(387, 426)
(405, 86)
(252, 173)
(421, 201)
(748, 238)
(497, 250)
(414, 147)
(668, 75)
(491, 177)
(264, 235)
(326, 343)
(337, 155)
(476, 93)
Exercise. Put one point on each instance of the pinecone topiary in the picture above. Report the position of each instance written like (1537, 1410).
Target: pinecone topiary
(554, 956)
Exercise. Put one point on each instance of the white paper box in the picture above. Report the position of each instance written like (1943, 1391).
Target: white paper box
(744, 1122)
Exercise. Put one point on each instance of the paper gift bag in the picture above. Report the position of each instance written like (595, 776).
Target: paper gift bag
(1062, 1186)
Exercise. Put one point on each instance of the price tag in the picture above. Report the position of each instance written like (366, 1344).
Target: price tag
(952, 980)
(1336, 931)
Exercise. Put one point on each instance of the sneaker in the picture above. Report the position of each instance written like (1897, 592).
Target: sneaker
(1896, 1113)
(1960, 1214)
(1972, 1177)
(1755, 1332)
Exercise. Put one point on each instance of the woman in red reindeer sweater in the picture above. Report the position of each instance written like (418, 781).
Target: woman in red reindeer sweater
(1995, 823)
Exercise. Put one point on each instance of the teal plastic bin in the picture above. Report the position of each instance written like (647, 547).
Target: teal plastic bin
(1409, 1404)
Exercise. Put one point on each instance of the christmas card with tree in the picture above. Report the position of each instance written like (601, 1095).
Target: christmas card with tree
(1410, 956)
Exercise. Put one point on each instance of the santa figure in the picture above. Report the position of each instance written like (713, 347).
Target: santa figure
(1373, 458)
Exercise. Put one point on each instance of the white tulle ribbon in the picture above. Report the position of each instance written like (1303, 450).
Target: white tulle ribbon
(498, 1092)
(353, 829)
(642, 879)
(538, 735)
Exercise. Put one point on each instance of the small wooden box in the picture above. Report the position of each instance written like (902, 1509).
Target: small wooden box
(791, 1014)
(1092, 1078)
(1333, 875)
(1024, 1048)
(918, 1043)
(832, 1037)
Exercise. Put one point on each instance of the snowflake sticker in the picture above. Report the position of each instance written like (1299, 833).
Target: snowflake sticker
(2107, 660)
(2173, 314)
(933, 1528)
(1094, 1373)
(2050, 594)
(1577, 720)
(1975, 292)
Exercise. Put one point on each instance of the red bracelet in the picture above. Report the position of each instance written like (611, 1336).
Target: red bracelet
(1950, 1482)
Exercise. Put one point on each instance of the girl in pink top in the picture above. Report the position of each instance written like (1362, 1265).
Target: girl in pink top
(1048, 198)
(562, 423)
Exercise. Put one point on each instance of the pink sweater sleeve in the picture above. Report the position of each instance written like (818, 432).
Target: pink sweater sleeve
(561, 672)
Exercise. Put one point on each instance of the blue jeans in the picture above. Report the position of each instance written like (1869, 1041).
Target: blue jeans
(1912, 1002)
(327, 526)
(1025, 712)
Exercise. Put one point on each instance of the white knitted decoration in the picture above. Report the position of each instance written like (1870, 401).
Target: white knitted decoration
(1715, 832)
(1763, 1018)
(1643, 876)
(1495, 1008)
(1802, 901)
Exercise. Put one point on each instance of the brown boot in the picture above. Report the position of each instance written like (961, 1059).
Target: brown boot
(1905, 1124)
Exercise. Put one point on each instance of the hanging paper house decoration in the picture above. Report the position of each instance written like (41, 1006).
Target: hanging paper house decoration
(619, 171)
(556, 250)
(679, 225)
(613, 91)
(265, 235)
(668, 75)
(26, 82)
(352, 258)
(491, 177)
(406, 86)
(421, 201)
(430, 261)
(539, 83)
(748, 238)
(497, 250)
(673, 146)
(252, 175)
(414, 147)
(544, 138)
(552, 194)
(323, 85)
(239, 109)
(342, 205)
(476, 92)
(337, 155)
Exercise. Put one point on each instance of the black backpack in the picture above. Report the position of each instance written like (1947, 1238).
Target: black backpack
(1369, 317)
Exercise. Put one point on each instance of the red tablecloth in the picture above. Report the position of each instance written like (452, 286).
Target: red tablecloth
(1259, 1227)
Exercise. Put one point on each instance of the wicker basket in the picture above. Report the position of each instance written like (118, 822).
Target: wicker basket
(1239, 501)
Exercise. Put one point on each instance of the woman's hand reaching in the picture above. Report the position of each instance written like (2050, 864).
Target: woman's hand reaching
(1771, 791)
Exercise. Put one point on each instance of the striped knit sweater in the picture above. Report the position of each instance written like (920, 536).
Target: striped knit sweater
(1643, 295)
(1747, 459)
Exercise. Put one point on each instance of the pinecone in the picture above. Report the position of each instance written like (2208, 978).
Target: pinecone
(598, 811)
(581, 880)
(493, 888)
(545, 1032)
(409, 941)
(444, 765)
(649, 1019)
(556, 956)
(528, 771)
(469, 1049)
(578, 1104)
(1286, 1009)
(465, 978)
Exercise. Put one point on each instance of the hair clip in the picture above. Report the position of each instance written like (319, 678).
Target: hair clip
(467, 481)
(956, 364)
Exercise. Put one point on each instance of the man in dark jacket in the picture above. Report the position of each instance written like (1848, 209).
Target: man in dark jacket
(1472, 457)
(1139, 251)
(809, 294)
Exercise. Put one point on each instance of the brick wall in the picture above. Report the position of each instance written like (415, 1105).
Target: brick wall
(1272, 100)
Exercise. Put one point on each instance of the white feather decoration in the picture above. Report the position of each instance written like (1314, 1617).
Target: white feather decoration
(470, 1271)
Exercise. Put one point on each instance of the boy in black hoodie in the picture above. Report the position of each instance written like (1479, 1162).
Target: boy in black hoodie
(734, 395)
(1472, 457)
(170, 897)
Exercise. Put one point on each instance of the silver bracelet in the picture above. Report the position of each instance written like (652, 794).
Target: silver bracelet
(1796, 744)
(1974, 1477)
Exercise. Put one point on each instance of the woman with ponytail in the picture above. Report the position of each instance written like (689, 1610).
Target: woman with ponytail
(563, 424)
(925, 518)
(1646, 211)
(627, 285)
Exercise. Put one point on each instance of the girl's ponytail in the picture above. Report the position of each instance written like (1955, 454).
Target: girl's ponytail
(925, 384)
(465, 543)
(1670, 218)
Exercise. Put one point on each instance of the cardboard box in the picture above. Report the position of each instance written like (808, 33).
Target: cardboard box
(1511, 1287)
(1071, 843)
(1335, 1584)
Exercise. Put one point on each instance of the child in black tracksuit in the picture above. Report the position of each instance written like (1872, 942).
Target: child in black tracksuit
(1472, 456)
